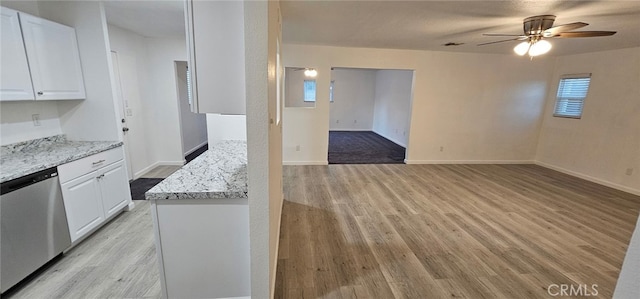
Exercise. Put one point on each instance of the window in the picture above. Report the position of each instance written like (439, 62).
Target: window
(331, 91)
(189, 95)
(572, 91)
(309, 90)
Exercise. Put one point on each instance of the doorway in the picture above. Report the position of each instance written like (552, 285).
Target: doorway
(123, 109)
(370, 113)
(193, 126)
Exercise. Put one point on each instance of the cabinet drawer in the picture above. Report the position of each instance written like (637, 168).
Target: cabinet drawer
(86, 165)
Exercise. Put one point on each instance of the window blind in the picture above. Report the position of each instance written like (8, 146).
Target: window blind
(572, 91)
(309, 90)
(189, 95)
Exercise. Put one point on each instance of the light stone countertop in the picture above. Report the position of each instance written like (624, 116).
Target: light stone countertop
(219, 173)
(24, 158)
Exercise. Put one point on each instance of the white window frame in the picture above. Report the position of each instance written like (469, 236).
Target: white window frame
(563, 100)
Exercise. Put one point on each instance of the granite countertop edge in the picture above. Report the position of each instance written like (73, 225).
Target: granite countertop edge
(24, 168)
(196, 195)
(217, 174)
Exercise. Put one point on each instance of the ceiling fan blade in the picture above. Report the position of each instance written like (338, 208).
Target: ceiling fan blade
(562, 28)
(500, 34)
(500, 41)
(585, 34)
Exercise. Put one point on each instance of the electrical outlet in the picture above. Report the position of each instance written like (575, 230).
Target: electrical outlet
(297, 148)
(442, 148)
(36, 120)
(629, 171)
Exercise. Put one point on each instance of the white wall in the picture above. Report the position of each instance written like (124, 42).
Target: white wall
(226, 127)
(353, 99)
(193, 126)
(30, 7)
(494, 118)
(131, 51)
(392, 110)
(16, 122)
(628, 285)
(294, 88)
(264, 145)
(605, 142)
(147, 66)
(161, 92)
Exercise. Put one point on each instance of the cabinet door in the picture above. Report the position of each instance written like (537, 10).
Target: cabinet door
(82, 204)
(54, 60)
(216, 56)
(114, 187)
(15, 80)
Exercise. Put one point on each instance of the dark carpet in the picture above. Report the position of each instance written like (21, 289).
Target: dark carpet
(140, 186)
(196, 153)
(363, 147)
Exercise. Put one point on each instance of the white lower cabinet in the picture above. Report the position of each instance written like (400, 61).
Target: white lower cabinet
(203, 247)
(111, 182)
(83, 205)
(92, 196)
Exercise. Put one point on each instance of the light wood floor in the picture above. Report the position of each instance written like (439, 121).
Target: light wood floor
(443, 231)
(118, 261)
(161, 172)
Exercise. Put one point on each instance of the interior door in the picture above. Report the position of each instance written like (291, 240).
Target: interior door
(123, 108)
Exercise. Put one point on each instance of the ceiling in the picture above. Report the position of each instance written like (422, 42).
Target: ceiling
(163, 18)
(427, 25)
(419, 25)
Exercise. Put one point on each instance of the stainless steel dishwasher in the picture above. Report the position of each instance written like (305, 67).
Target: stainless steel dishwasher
(34, 225)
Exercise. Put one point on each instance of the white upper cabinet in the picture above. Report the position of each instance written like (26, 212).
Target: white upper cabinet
(54, 60)
(215, 42)
(40, 59)
(15, 80)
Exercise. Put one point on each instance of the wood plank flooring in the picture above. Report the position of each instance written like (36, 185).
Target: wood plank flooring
(117, 261)
(442, 231)
(161, 172)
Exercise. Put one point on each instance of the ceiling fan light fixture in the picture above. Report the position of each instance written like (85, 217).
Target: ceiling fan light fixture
(539, 48)
(522, 48)
(310, 73)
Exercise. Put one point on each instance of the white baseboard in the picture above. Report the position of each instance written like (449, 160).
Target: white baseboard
(139, 174)
(391, 139)
(273, 271)
(468, 161)
(589, 178)
(354, 130)
(195, 148)
(305, 162)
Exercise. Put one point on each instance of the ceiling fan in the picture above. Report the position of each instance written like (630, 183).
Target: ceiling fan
(539, 28)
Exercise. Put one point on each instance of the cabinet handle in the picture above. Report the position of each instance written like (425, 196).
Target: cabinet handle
(98, 162)
(100, 176)
(40, 93)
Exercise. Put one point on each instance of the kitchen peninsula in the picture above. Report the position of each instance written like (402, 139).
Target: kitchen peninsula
(201, 224)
